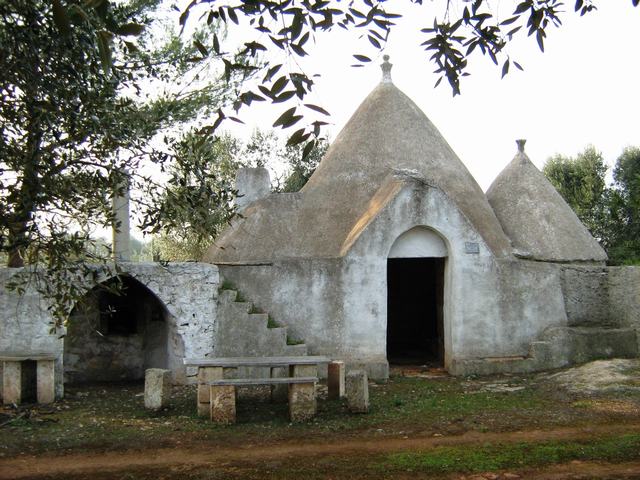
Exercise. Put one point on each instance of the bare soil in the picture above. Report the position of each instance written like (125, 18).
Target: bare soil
(103, 432)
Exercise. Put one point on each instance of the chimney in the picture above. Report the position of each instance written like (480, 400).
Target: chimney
(252, 184)
(121, 246)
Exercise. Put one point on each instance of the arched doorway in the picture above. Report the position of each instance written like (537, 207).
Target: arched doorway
(115, 333)
(415, 298)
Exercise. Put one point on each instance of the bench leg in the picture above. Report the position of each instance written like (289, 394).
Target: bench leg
(206, 374)
(335, 380)
(279, 393)
(46, 391)
(302, 401)
(223, 403)
(12, 382)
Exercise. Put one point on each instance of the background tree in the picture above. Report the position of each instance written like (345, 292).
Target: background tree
(197, 203)
(581, 182)
(206, 167)
(76, 124)
(625, 208)
(610, 212)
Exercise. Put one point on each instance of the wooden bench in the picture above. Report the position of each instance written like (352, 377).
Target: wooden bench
(302, 396)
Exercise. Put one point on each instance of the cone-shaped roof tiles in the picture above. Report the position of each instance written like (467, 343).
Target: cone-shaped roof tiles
(387, 133)
(540, 224)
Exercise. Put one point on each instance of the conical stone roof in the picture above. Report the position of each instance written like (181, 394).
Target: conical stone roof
(540, 224)
(387, 134)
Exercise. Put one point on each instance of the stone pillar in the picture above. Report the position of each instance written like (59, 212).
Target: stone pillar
(157, 388)
(205, 375)
(357, 391)
(223, 403)
(45, 381)
(302, 396)
(252, 184)
(11, 382)
(121, 241)
(279, 393)
(335, 380)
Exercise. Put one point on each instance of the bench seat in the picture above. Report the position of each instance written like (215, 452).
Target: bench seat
(245, 382)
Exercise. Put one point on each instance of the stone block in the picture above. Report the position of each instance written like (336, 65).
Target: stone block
(157, 388)
(357, 391)
(205, 375)
(303, 370)
(12, 383)
(45, 381)
(302, 401)
(335, 379)
(222, 407)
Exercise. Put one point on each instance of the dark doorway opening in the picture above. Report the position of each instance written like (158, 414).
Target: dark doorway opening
(116, 331)
(415, 299)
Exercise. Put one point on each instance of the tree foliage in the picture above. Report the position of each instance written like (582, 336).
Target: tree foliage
(610, 212)
(76, 123)
(581, 182)
(207, 167)
(625, 208)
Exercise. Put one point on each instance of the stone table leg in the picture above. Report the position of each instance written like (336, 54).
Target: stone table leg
(302, 396)
(223, 403)
(335, 380)
(46, 388)
(11, 382)
(205, 375)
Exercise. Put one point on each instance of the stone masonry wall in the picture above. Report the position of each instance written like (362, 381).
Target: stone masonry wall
(188, 291)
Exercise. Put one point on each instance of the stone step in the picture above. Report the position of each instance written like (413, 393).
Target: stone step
(242, 333)
(227, 295)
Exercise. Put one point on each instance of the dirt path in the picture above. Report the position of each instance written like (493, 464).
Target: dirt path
(214, 455)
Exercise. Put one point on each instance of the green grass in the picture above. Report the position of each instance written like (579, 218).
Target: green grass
(113, 417)
(226, 285)
(294, 341)
(491, 457)
(271, 323)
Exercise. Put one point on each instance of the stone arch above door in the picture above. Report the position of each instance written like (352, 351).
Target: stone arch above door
(419, 242)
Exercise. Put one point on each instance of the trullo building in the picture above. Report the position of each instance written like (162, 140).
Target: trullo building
(392, 253)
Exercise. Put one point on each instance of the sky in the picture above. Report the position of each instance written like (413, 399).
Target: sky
(584, 89)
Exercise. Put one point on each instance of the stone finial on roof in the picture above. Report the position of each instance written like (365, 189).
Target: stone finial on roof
(386, 70)
(521, 143)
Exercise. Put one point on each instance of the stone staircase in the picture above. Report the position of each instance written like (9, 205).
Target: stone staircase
(244, 331)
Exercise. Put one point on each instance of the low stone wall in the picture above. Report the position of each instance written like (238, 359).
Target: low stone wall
(188, 292)
(624, 297)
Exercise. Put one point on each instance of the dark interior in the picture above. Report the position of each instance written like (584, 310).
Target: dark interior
(415, 289)
(123, 311)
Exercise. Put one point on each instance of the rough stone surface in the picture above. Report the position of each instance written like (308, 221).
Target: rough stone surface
(302, 401)
(46, 386)
(357, 391)
(12, 383)
(536, 218)
(586, 296)
(188, 291)
(157, 388)
(205, 375)
(336, 379)
(624, 295)
(388, 133)
(252, 184)
(223, 404)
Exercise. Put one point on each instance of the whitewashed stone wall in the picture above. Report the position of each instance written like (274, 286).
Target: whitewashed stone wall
(188, 291)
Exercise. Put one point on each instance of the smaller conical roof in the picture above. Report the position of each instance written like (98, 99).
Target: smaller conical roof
(540, 224)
